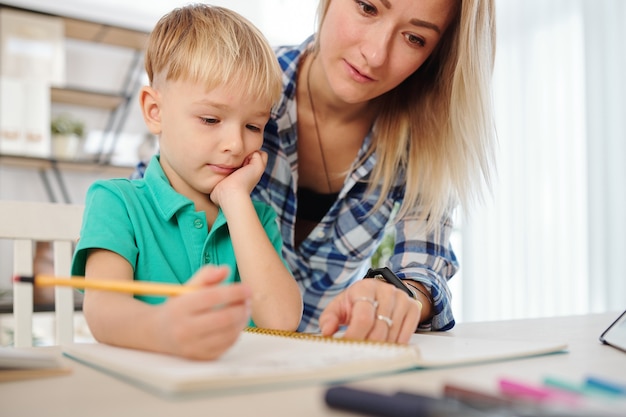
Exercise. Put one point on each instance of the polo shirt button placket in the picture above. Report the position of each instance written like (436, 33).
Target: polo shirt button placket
(198, 224)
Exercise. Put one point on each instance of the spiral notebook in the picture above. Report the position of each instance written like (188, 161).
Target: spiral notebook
(262, 359)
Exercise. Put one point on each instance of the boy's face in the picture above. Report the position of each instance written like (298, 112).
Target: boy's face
(205, 135)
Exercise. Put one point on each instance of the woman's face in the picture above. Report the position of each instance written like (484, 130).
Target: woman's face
(368, 47)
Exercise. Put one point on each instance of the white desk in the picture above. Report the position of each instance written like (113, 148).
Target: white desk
(87, 392)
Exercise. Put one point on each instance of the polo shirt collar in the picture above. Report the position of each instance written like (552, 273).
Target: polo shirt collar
(165, 198)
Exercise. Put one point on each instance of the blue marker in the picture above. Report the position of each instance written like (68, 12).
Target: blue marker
(605, 385)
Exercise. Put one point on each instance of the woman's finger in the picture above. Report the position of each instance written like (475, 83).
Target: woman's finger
(384, 323)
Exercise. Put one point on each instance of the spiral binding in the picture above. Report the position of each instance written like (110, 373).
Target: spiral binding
(316, 337)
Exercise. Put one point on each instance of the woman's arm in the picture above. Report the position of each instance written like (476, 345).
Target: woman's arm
(427, 258)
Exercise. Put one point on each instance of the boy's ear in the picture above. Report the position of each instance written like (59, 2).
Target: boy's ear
(150, 101)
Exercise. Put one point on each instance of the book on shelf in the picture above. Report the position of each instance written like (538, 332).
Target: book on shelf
(262, 359)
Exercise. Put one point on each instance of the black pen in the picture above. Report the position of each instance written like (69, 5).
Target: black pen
(405, 404)
(400, 404)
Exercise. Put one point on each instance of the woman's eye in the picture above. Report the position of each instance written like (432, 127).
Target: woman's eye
(415, 40)
(209, 120)
(366, 7)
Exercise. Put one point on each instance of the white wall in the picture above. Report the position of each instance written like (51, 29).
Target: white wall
(282, 21)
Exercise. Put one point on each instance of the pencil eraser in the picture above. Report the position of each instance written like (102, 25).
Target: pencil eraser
(20, 278)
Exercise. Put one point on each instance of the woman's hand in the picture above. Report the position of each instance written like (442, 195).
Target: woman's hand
(372, 310)
(204, 324)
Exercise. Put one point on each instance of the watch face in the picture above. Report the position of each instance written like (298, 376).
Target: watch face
(615, 335)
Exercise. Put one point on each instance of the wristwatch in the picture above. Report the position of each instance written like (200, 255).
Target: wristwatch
(387, 275)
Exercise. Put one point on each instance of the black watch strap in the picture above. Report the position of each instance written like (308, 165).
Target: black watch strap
(387, 275)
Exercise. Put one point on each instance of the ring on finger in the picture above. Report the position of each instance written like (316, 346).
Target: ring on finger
(385, 319)
(373, 302)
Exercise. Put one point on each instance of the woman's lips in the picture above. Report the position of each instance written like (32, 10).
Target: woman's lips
(356, 74)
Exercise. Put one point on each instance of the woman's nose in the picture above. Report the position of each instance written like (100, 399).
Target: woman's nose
(375, 48)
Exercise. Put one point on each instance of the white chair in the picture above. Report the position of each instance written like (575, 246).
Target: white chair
(27, 222)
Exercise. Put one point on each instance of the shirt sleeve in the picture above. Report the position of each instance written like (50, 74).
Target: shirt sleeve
(427, 258)
(106, 225)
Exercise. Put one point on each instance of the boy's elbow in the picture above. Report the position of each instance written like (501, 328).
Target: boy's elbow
(291, 321)
(289, 325)
(293, 324)
(297, 315)
(288, 320)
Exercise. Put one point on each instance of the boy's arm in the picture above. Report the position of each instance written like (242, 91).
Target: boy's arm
(201, 324)
(276, 298)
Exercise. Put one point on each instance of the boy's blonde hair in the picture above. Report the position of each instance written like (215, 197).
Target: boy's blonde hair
(437, 126)
(213, 46)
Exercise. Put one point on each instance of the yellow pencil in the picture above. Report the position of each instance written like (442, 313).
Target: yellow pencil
(134, 287)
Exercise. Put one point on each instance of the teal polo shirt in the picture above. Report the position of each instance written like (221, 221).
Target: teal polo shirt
(158, 231)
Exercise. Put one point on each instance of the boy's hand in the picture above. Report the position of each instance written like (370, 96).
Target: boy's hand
(204, 324)
(244, 179)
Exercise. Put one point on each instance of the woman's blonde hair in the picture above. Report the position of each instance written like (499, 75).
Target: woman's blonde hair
(214, 46)
(437, 126)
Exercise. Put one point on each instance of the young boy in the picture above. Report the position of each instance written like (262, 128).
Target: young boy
(213, 80)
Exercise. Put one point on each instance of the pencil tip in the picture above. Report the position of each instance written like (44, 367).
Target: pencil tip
(21, 278)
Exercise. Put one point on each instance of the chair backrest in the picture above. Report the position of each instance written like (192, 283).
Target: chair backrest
(27, 222)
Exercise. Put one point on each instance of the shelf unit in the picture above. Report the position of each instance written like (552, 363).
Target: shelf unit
(116, 103)
(51, 170)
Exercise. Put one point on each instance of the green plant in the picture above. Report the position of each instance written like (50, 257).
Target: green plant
(384, 251)
(66, 124)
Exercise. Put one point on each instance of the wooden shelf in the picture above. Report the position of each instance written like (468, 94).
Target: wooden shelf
(21, 161)
(100, 33)
(82, 97)
(92, 31)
